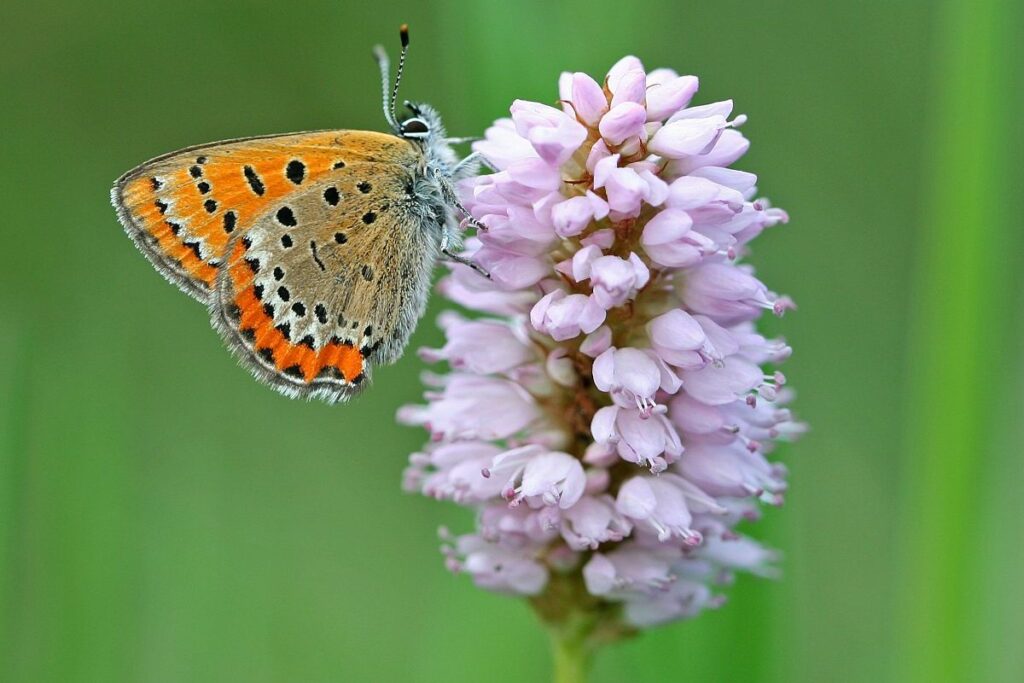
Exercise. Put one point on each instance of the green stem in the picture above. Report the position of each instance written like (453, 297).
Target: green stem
(571, 656)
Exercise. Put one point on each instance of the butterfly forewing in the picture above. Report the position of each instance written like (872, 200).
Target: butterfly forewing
(182, 209)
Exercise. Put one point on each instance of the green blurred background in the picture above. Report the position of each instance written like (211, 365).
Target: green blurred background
(165, 518)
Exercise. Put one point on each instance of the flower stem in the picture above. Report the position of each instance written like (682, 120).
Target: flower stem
(571, 656)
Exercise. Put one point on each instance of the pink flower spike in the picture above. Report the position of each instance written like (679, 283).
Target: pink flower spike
(610, 416)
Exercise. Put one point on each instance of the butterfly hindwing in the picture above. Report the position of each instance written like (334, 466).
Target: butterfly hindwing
(329, 280)
(183, 208)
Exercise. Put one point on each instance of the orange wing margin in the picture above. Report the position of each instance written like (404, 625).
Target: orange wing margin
(333, 372)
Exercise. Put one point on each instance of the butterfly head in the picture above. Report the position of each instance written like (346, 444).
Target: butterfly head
(423, 125)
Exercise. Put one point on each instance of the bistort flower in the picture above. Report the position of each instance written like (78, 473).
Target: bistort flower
(610, 413)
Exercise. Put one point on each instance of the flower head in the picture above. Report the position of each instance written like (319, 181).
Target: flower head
(612, 425)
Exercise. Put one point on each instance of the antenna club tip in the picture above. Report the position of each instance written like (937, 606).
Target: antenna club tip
(403, 31)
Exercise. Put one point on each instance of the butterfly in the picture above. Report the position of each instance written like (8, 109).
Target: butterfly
(312, 251)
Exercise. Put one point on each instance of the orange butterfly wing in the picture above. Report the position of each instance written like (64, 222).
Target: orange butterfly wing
(182, 208)
(190, 212)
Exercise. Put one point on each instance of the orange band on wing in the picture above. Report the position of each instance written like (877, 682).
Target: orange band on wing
(165, 232)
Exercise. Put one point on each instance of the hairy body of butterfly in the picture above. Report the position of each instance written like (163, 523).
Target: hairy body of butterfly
(312, 251)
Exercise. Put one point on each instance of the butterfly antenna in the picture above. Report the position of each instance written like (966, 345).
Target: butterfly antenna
(389, 94)
(403, 32)
(385, 78)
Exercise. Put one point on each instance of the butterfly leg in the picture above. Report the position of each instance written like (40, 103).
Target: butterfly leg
(446, 244)
(462, 140)
(452, 197)
(469, 166)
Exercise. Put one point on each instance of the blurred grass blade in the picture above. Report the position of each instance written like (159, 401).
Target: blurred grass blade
(957, 340)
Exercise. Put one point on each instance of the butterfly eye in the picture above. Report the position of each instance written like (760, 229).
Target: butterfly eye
(415, 128)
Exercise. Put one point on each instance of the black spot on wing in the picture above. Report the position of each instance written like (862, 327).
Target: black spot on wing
(368, 349)
(210, 205)
(286, 241)
(204, 187)
(278, 273)
(295, 171)
(321, 313)
(230, 220)
(369, 217)
(332, 196)
(367, 272)
(364, 187)
(285, 216)
(255, 182)
(340, 238)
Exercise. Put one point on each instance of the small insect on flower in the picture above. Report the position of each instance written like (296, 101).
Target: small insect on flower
(313, 251)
